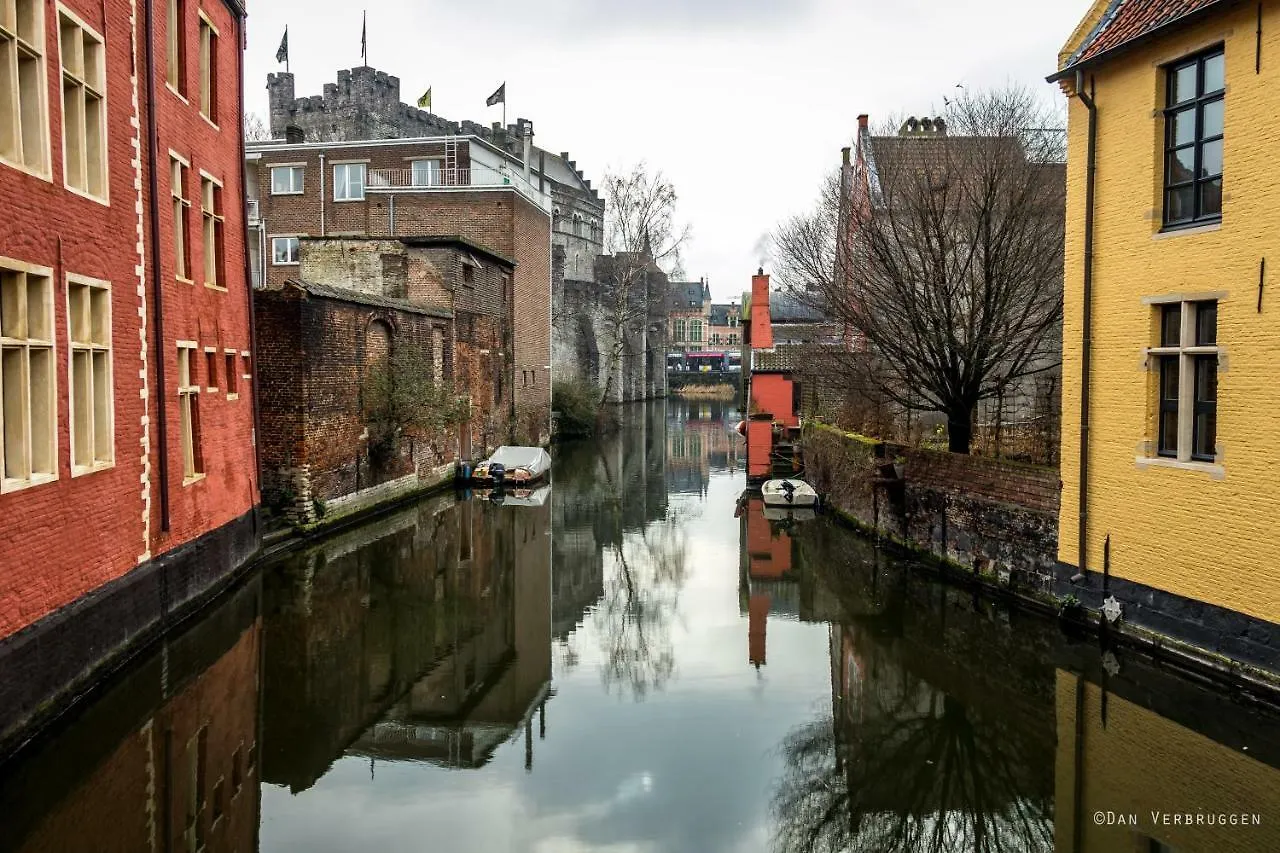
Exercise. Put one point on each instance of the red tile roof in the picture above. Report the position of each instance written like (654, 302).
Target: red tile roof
(1134, 19)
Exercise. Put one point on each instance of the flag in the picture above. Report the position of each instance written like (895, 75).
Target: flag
(364, 42)
(282, 54)
(498, 97)
(424, 103)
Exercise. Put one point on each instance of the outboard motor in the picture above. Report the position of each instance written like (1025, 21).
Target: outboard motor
(789, 491)
(498, 472)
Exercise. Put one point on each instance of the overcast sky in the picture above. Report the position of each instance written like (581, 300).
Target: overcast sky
(743, 104)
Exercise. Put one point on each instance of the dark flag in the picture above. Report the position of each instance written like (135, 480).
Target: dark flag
(498, 97)
(364, 42)
(282, 54)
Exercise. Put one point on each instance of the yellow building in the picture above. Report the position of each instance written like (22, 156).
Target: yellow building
(1172, 319)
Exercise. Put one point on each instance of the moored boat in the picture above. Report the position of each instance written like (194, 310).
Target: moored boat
(789, 492)
(516, 466)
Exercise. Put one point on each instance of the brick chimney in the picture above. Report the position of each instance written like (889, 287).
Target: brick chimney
(761, 321)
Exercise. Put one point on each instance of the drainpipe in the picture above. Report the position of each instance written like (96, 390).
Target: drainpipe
(1086, 334)
(248, 270)
(322, 196)
(157, 286)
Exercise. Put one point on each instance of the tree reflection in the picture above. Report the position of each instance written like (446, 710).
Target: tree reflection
(913, 770)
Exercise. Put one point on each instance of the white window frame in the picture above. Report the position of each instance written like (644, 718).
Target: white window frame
(94, 345)
(297, 251)
(181, 203)
(209, 38)
(230, 373)
(13, 146)
(293, 169)
(176, 48)
(344, 194)
(434, 167)
(211, 218)
(1186, 351)
(25, 344)
(189, 413)
(86, 82)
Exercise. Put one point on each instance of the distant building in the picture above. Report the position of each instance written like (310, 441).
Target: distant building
(688, 315)
(724, 326)
(1169, 508)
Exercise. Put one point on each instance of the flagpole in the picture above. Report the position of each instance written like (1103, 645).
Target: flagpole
(286, 53)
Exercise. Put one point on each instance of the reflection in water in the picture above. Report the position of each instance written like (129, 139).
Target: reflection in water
(412, 667)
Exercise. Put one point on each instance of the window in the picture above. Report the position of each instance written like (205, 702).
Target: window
(27, 376)
(284, 251)
(24, 121)
(679, 330)
(426, 173)
(211, 369)
(176, 37)
(733, 321)
(695, 331)
(468, 274)
(733, 339)
(286, 180)
(211, 214)
(84, 114)
(233, 383)
(247, 376)
(92, 427)
(198, 769)
(208, 70)
(1193, 139)
(1186, 364)
(348, 182)
(181, 217)
(189, 412)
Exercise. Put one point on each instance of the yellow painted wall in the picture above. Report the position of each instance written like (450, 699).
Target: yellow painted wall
(1139, 763)
(1215, 540)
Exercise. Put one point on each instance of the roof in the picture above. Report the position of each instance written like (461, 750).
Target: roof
(788, 309)
(688, 293)
(720, 314)
(1124, 22)
(324, 291)
(459, 242)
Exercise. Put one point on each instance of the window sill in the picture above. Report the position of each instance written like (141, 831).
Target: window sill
(184, 280)
(1213, 469)
(292, 192)
(211, 390)
(86, 470)
(286, 263)
(45, 175)
(233, 396)
(213, 286)
(347, 200)
(102, 200)
(1187, 230)
(176, 93)
(14, 485)
(210, 122)
(192, 480)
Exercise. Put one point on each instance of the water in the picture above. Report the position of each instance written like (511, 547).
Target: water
(637, 661)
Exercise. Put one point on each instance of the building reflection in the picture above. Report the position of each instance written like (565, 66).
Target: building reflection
(424, 635)
(164, 759)
(701, 439)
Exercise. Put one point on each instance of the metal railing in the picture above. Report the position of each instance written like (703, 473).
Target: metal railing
(396, 179)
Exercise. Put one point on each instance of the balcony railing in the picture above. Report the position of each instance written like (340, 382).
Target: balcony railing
(478, 175)
(255, 214)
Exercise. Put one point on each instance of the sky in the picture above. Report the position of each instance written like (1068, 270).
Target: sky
(743, 105)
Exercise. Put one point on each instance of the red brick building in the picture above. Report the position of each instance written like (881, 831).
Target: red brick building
(773, 395)
(126, 438)
(457, 186)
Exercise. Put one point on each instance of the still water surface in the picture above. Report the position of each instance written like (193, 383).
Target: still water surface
(636, 660)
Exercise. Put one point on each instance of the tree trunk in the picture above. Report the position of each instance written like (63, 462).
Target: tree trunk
(960, 429)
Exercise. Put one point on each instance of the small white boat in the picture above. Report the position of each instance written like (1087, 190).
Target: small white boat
(515, 466)
(782, 513)
(788, 493)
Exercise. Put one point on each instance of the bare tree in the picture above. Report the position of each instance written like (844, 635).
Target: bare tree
(803, 248)
(947, 256)
(255, 129)
(643, 239)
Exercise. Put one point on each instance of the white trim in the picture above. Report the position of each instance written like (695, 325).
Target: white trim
(104, 199)
(271, 244)
(174, 155)
(46, 121)
(1213, 469)
(364, 160)
(72, 349)
(1168, 232)
(209, 21)
(1169, 298)
(50, 345)
(216, 182)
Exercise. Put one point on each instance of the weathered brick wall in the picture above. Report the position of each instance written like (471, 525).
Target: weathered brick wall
(532, 281)
(282, 389)
(998, 518)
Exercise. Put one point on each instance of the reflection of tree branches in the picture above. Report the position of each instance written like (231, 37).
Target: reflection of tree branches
(919, 773)
(640, 598)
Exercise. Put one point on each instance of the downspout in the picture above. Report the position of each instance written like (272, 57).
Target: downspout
(248, 278)
(1086, 334)
(322, 196)
(161, 418)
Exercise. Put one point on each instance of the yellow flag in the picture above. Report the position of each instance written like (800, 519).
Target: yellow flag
(424, 103)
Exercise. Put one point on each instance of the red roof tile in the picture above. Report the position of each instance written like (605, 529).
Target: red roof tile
(1134, 19)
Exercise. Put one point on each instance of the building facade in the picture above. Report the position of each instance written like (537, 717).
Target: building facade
(126, 341)
(688, 316)
(409, 188)
(724, 326)
(1168, 457)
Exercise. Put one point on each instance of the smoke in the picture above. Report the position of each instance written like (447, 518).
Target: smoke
(763, 249)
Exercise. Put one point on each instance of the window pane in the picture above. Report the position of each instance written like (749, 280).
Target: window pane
(1179, 204)
(1183, 127)
(1211, 159)
(1212, 118)
(1214, 74)
(1211, 198)
(82, 404)
(102, 406)
(1182, 165)
(1204, 429)
(1170, 325)
(1168, 433)
(1206, 324)
(1169, 378)
(14, 382)
(1182, 84)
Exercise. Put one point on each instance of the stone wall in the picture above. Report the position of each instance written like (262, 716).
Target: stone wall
(996, 518)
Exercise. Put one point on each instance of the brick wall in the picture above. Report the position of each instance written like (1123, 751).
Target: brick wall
(532, 280)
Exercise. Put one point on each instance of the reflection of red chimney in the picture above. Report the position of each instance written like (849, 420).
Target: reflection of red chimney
(761, 320)
(758, 618)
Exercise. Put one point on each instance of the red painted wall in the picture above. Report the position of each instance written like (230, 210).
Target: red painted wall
(775, 393)
(768, 553)
(759, 445)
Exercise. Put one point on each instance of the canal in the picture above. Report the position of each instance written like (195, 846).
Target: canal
(636, 660)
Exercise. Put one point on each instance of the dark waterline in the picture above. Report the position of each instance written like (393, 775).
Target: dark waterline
(637, 660)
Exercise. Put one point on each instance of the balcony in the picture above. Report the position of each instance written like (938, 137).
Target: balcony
(255, 214)
(428, 179)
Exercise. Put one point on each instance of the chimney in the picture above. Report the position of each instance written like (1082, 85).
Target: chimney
(844, 155)
(863, 120)
(761, 321)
